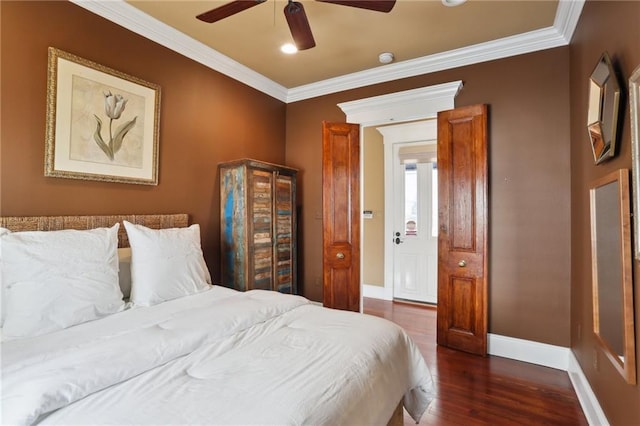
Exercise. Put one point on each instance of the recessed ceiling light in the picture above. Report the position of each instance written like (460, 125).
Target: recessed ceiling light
(289, 48)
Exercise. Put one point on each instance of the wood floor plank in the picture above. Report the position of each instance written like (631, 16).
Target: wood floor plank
(474, 390)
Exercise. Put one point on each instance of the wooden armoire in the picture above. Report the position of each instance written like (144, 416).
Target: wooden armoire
(258, 226)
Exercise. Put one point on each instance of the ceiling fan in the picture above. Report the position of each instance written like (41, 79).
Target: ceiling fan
(294, 12)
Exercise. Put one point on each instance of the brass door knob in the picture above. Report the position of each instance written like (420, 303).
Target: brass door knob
(340, 255)
(462, 263)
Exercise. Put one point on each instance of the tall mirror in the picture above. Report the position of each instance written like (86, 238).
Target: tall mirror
(613, 320)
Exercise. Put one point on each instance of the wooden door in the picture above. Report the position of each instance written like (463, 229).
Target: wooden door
(341, 215)
(463, 223)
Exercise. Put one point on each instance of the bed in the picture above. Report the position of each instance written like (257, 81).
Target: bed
(78, 348)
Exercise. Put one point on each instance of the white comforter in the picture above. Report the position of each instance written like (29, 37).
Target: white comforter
(218, 357)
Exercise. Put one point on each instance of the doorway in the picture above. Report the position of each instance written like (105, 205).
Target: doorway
(410, 210)
(401, 159)
(462, 188)
(415, 231)
(402, 107)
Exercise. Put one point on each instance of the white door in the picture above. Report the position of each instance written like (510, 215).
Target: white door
(415, 228)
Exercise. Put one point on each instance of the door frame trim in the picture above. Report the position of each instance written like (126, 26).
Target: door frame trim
(417, 104)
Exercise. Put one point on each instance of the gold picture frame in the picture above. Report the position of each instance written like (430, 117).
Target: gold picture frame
(102, 124)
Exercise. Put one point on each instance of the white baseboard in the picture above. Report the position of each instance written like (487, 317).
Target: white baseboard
(528, 351)
(588, 401)
(377, 292)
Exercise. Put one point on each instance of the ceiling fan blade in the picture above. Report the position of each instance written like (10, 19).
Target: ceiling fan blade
(227, 10)
(299, 25)
(377, 5)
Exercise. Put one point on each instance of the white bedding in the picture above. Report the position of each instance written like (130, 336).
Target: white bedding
(217, 357)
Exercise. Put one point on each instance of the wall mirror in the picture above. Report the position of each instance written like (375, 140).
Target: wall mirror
(603, 112)
(613, 321)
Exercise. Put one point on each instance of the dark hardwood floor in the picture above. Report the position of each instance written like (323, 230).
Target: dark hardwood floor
(474, 390)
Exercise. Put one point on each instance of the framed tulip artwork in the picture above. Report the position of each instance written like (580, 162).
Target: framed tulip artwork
(102, 124)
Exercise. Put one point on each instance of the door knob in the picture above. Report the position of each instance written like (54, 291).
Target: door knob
(462, 263)
(340, 255)
(398, 241)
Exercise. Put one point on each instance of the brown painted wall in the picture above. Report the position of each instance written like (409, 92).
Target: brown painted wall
(206, 118)
(529, 184)
(612, 27)
(373, 199)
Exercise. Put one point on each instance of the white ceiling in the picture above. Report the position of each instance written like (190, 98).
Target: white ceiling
(424, 36)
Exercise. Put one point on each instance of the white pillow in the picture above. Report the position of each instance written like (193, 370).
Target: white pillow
(165, 263)
(56, 279)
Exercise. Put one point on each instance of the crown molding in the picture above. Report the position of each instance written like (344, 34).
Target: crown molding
(567, 16)
(559, 34)
(510, 46)
(127, 16)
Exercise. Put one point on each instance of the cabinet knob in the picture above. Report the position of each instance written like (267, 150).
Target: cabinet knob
(340, 255)
(462, 263)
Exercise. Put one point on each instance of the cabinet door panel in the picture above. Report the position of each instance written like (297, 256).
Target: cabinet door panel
(261, 221)
(233, 229)
(284, 245)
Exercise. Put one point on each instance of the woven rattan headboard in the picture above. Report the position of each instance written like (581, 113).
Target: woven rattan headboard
(56, 223)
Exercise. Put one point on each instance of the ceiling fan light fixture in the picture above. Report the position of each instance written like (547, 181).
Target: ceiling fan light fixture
(289, 48)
